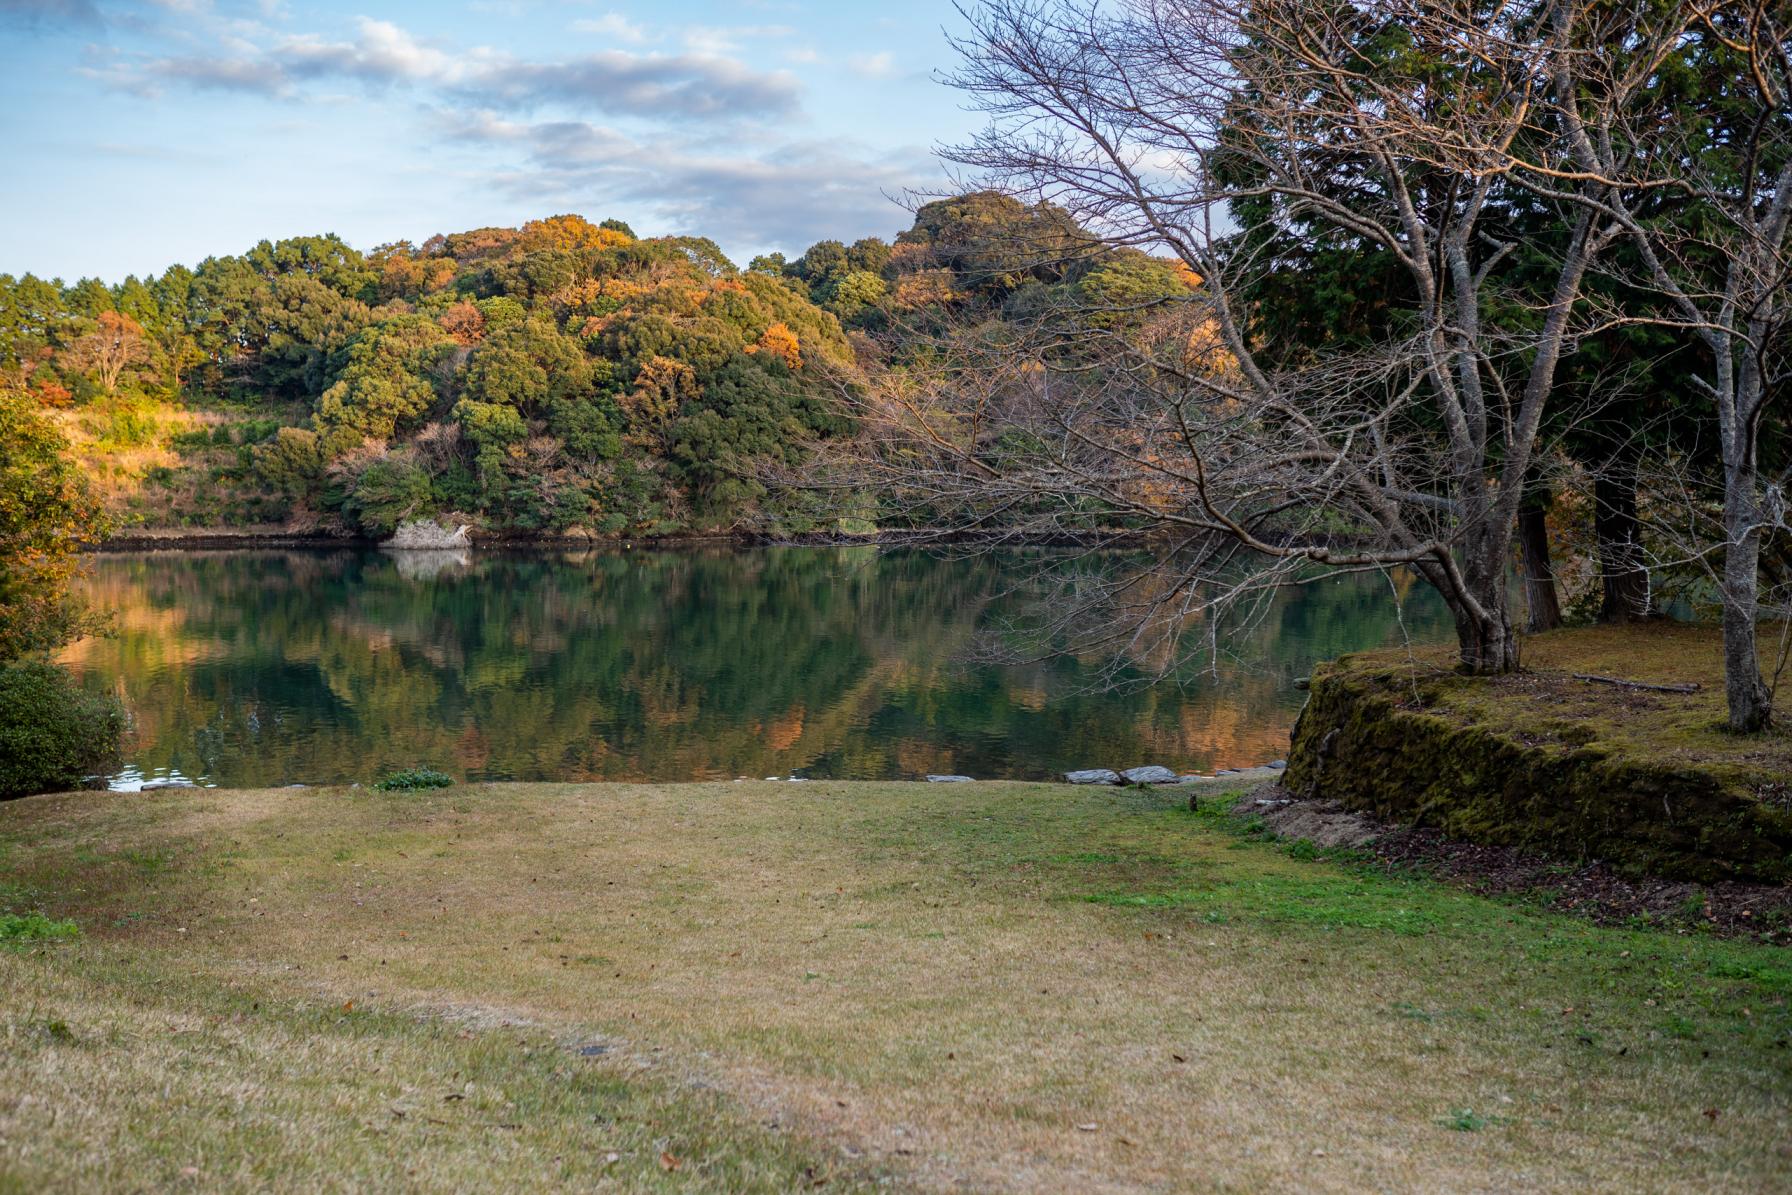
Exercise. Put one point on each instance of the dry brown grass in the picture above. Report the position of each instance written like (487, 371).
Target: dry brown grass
(990, 986)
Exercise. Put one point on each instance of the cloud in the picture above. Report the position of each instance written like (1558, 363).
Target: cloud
(787, 196)
(663, 85)
(728, 39)
(207, 74)
(383, 53)
(878, 66)
(613, 25)
(687, 86)
(48, 15)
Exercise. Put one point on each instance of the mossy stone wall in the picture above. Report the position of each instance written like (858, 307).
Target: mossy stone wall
(1363, 741)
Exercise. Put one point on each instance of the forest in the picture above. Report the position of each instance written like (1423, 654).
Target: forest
(565, 377)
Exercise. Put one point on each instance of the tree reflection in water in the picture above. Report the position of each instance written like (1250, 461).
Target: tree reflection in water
(266, 668)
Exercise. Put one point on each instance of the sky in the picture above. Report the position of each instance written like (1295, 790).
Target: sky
(140, 133)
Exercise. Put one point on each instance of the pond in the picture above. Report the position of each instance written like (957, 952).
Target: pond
(262, 668)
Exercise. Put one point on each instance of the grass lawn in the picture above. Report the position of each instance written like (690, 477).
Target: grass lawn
(773, 986)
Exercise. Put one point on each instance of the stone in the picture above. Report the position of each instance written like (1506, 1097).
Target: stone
(1277, 764)
(429, 534)
(1093, 776)
(1149, 774)
(948, 779)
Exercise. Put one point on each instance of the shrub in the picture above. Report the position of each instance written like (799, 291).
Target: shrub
(414, 780)
(131, 423)
(52, 734)
(292, 462)
(387, 492)
(35, 927)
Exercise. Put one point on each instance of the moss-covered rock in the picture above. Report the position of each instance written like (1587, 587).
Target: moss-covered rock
(1408, 746)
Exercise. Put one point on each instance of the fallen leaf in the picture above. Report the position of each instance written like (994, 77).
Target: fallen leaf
(668, 1162)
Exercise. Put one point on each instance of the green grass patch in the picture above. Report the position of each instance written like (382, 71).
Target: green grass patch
(1344, 902)
(414, 780)
(21, 928)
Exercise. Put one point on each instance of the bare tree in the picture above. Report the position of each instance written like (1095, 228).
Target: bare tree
(115, 344)
(1396, 128)
(1709, 214)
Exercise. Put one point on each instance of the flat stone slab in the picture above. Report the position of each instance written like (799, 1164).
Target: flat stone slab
(1233, 776)
(1093, 776)
(949, 779)
(1149, 774)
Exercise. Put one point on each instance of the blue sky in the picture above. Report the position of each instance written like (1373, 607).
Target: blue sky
(138, 133)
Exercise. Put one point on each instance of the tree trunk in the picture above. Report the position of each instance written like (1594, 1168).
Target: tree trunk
(1751, 707)
(1539, 571)
(1485, 643)
(1624, 577)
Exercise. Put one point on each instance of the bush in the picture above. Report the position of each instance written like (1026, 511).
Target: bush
(131, 423)
(387, 492)
(413, 780)
(52, 734)
(35, 927)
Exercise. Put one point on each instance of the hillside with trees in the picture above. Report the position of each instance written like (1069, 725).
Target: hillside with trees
(560, 378)
(564, 375)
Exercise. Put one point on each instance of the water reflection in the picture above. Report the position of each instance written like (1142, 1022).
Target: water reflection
(268, 668)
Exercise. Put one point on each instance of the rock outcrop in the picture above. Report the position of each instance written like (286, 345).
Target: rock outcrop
(427, 534)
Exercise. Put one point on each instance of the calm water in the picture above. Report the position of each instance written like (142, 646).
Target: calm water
(266, 668)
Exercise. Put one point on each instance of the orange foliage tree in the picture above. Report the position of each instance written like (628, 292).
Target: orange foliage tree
(779, 341)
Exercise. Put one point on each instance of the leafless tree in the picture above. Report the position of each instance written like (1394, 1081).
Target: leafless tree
(1709, 216)
(115, 344)
(1397, 127)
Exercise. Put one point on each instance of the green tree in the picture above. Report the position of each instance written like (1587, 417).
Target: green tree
(51, 733)
(47, 511)
(385, 382)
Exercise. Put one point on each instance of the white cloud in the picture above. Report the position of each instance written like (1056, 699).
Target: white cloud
(615, 26)
(879, 66)
(383, 53)
(650, 85)
(786, 196)
(729, 39)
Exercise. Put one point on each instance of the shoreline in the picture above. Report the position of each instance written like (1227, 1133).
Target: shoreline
(201, 538)
(215, 538)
